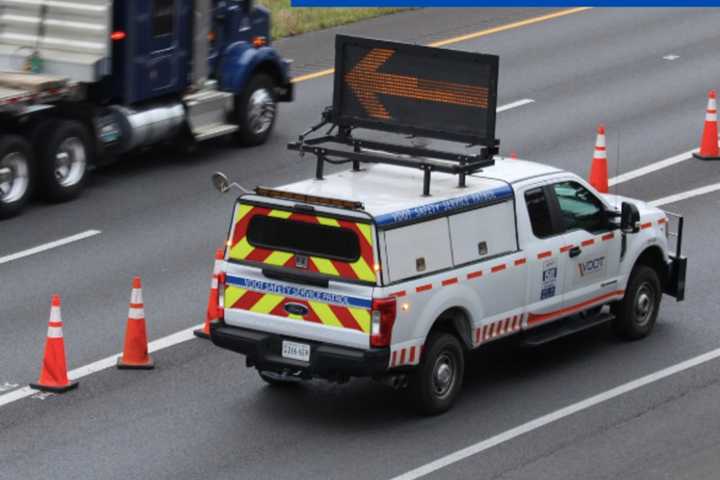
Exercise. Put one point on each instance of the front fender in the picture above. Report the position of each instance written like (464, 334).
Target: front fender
(241, 60)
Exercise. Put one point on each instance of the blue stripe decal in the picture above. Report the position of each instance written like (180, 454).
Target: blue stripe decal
(299, 292)
(445, 206)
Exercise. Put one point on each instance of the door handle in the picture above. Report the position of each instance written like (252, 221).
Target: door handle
(575, 251)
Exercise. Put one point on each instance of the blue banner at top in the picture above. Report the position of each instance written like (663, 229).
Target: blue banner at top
(505, 3)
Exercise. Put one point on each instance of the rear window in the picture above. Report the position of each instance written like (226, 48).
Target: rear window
(303, 238)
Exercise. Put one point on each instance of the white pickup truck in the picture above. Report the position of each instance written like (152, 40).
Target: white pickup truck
(357, 274)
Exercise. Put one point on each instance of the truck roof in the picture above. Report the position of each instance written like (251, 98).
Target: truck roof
(392, 194)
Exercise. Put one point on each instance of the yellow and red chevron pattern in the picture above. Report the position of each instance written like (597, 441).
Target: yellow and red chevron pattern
(318, 312)
(241, 249)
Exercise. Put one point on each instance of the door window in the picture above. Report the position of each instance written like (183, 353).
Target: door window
(580, 209)
(163, 17)
(539, 212)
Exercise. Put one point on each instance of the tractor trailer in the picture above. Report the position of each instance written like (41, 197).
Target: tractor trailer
(84, 82)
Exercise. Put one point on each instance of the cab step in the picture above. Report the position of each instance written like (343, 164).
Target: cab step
(209, 112)
(562, 328)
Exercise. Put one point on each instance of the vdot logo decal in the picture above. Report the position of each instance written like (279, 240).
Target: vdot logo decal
(591, 266)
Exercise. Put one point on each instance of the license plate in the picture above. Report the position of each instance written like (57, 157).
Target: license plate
(296, 351)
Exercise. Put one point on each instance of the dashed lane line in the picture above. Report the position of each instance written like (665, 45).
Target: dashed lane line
(685, 195)
(49, 246)
(515, 104)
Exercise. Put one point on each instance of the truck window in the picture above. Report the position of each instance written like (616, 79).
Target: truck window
(311, 239)
(580, 209)
(539, 212)
(163, 17)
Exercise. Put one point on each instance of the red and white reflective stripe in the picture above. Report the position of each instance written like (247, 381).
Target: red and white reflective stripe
(214, 282)
(55, 316)
(217, 268)
(711, 114)
(498, 328)
(136, 296)
(55, 332)
(405, 356)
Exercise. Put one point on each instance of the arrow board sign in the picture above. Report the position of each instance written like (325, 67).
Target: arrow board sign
(424, 91)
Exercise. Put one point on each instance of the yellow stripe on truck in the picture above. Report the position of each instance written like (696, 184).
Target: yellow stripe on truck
(241, 249)
(363, 270)
(327, 317)
(267, 303)
(278, 258)
(362, 317)
(232, 295)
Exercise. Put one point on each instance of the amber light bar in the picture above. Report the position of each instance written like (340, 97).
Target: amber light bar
(312, 199)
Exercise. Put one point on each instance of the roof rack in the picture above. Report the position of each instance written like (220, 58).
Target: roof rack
(412, 90)
(369, 151)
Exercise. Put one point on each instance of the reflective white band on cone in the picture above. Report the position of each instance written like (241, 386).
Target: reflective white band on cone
(55, 316)
(55, 332)
(136, 296)
(136, 313)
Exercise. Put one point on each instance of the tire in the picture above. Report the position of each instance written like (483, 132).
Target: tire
(276, 382)
(64, 160)
(636, 313)
(256, 111)
(17, 170)
(437, 382)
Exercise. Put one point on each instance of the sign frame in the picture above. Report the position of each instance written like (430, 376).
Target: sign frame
(344, 119)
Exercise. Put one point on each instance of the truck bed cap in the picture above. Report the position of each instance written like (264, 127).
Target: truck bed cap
(389, 192)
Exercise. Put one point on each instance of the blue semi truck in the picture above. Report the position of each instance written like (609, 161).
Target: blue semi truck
(83, 82)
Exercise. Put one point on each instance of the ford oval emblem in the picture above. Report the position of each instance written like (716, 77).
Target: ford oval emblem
(296, 309)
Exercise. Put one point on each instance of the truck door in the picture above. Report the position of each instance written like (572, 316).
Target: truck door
(591, 247)
(541, 237)
(160, 62)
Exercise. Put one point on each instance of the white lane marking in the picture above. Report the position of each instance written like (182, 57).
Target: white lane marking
(556, 415)
(516, 104)
(653, 167)
(104, 364)
(48, 246)
(671, 57)
(685, 195)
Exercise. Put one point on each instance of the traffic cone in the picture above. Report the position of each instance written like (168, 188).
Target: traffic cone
(212, 312)
(135, 354)
(513, 155)
(599, 168)
(709, 141)
(53, 373)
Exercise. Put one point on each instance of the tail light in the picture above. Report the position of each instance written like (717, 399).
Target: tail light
(383, 315)
(118, 36)
(221, 296)
(259, 41)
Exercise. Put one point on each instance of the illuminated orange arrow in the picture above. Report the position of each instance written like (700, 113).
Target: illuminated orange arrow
(367, 84)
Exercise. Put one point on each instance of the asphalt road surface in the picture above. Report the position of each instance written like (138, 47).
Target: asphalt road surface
(201, 414)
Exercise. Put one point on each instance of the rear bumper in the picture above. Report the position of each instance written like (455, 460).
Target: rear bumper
(263, 351)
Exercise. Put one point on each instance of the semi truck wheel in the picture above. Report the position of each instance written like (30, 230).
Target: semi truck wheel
(636, 313)
(256, 110)
(16, 174)
(64, 160)
(438, 380)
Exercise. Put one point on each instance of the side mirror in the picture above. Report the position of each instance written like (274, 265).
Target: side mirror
(629, 218)
(221, 182)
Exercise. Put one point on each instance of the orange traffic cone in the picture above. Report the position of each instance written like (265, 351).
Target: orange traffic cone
(53, 375)
(513, 155)
(709, 141)
(135, 354)
(212, 312)
(599, 168)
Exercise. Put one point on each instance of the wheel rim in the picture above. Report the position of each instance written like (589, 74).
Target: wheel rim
(14, 177)
(644, 304)
(70, 162)
(261, 111)
(443, 375)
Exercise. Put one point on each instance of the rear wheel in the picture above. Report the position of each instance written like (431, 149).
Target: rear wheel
(64, 160)
(16, 174)
(438, 380)
(636, 313)
(255, 110)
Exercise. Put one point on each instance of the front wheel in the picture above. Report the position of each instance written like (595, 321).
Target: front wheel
(636, 313)
(16, 174)
(64, 160)
(256, 110)
(438, 380)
